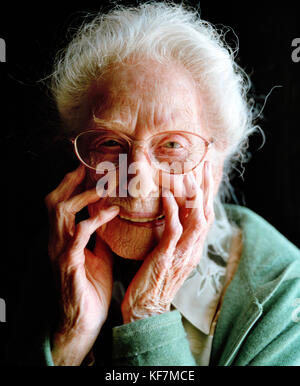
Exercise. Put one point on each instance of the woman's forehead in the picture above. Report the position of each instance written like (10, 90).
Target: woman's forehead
(136, 131)
(154, 98)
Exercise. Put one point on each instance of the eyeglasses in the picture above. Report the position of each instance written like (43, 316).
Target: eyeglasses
(174, 152)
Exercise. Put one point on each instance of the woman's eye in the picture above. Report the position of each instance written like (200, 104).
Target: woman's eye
(110, 143)
(172, 145)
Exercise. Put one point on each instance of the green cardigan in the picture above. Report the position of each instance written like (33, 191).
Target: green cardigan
(259, 322)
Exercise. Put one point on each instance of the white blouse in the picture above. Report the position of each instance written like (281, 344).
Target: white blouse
(197, 300)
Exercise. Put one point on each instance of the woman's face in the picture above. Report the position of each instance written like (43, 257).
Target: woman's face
(141, 100)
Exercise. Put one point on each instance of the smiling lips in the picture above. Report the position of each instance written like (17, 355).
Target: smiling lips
(147, 219)
(142, 218)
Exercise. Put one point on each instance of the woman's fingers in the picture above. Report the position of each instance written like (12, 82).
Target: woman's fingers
(83, 232)
(62, 219)
(198, 220)
(66, 187)
(193, 220)
(184, 225)
(62, 206)
(173, 227)
(74, 204)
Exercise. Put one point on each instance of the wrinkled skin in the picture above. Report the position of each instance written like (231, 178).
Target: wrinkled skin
(178, 252)
(83, 277)
(140, 100)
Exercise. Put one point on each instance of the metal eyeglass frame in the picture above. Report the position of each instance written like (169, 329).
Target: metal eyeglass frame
(141, 143)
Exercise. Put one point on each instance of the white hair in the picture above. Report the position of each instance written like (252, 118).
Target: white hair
(163, 31)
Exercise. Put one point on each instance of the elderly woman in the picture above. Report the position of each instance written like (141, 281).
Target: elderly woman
(158, 114)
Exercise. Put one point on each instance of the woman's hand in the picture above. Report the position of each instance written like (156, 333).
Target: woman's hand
(164, 270)
(83, 278)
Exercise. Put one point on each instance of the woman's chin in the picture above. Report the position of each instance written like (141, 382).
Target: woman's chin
(129, 253)
(128, 240)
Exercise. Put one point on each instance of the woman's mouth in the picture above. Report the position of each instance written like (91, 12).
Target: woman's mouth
(147, 219)
(142, 219)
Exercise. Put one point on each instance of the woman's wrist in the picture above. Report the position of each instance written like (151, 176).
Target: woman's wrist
(131, 315)
(70, 349)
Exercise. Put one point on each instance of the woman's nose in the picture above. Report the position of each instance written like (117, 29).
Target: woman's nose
(141, 175)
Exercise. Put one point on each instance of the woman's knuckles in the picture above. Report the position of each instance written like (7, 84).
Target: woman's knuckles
(50, 200)
(175, 227)
(62, 211)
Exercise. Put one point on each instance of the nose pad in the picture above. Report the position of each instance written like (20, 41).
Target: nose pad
(141, 175)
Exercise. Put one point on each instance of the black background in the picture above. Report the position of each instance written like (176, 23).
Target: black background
(31, 167)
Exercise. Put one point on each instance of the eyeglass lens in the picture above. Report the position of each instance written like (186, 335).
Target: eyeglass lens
(172, 152)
